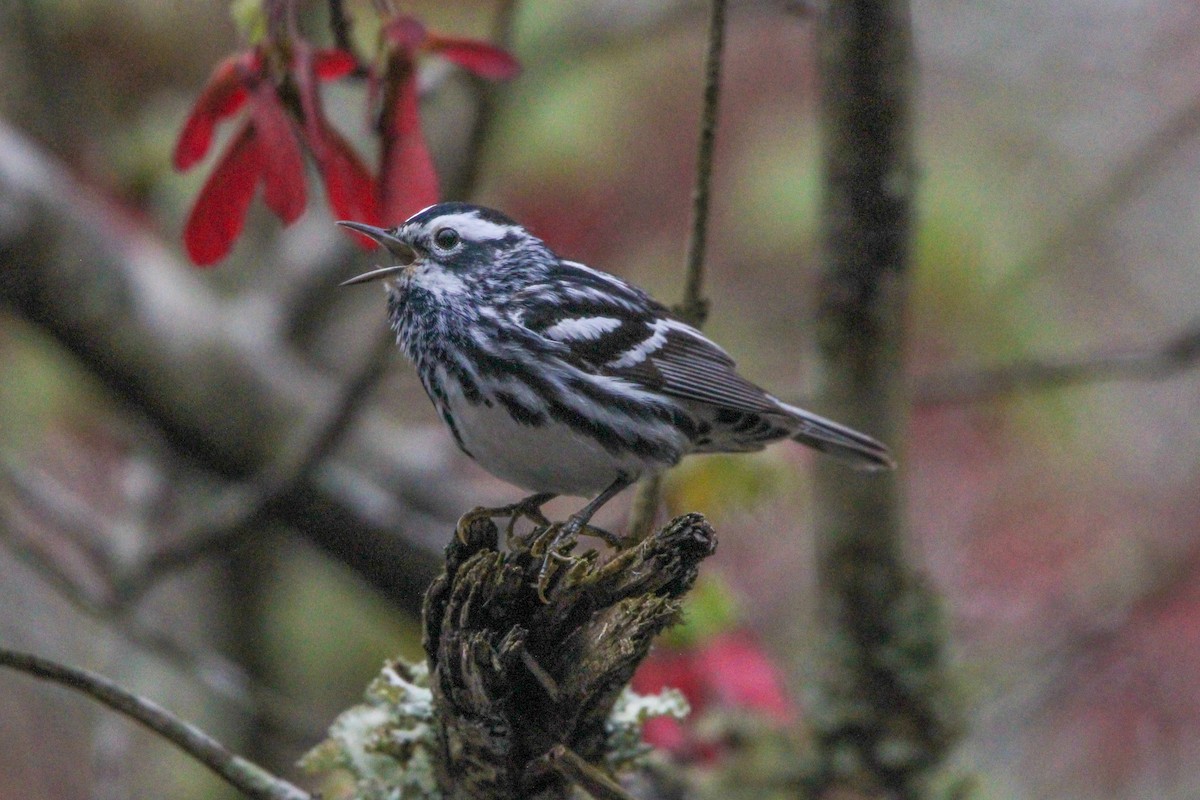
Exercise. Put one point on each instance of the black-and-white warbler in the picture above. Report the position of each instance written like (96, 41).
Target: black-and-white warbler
(565, 380)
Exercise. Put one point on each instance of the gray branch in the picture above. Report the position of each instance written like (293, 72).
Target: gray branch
(242, 774)
(693, 308)
(224, 390)
(1178, 354)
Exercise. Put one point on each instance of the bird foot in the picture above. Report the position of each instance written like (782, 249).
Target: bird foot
(529, 508)
(554, 544)
(611, 539)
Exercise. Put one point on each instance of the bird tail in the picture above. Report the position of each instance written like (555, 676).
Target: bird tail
(846, 444)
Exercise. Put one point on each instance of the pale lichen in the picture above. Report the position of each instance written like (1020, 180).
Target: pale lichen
(386, 744)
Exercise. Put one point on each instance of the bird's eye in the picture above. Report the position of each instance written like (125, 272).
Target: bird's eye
(446, 238)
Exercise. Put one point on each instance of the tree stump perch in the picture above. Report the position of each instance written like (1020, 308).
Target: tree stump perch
(518, 682)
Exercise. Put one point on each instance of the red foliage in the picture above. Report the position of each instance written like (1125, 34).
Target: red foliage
(348, 183)
(476, 57)
(283, 163)
(220, 210)
(408, 181)
(329, 65)
(729, 672)
(268, 146)
(223, 95)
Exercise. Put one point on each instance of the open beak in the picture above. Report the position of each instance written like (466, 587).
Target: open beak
(405, 253)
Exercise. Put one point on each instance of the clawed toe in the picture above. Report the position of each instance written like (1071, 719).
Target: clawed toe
(557, 541)
(468, 519)
(549, 541)
(530, 508)
(611, 539)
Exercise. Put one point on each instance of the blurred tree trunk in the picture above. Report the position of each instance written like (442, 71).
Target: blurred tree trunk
(883, 720)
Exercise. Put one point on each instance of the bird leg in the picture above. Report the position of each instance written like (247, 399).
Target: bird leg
(530, 507)
(578, 523)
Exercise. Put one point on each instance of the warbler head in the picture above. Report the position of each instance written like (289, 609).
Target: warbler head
(449, 240)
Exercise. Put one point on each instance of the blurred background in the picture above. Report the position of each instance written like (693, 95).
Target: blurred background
(1054, 505)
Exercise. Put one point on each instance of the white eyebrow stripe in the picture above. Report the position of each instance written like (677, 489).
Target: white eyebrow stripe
(580, 328)
(471, 227)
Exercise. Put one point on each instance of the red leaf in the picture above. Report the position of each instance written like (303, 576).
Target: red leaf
(283, 163)
(222, 96)
(333, 64)
(740, 675)
(483, 59)
(220, 211)
(408, 181)
(670, 668)
(348, 184)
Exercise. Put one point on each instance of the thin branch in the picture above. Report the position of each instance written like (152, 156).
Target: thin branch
(646, 499)
(339, 23)
(693, 309)
(570, 765)
(223, 677)
(1180, 353)
(77, 523)
(1135, 172)
(244, 775)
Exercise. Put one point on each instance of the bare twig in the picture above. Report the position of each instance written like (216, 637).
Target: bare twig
(1136, 171)
(223, 677)
(570, 765)
(693, 308)
(646, 499)
(339, 23)
(246, 776)
(77, 523)
(1180, 353)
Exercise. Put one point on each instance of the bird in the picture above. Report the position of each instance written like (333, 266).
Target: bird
(562, 379)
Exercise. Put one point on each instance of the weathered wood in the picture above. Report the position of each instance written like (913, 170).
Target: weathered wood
(514, 677)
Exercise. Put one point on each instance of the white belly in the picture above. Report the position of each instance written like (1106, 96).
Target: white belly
(549, 458)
